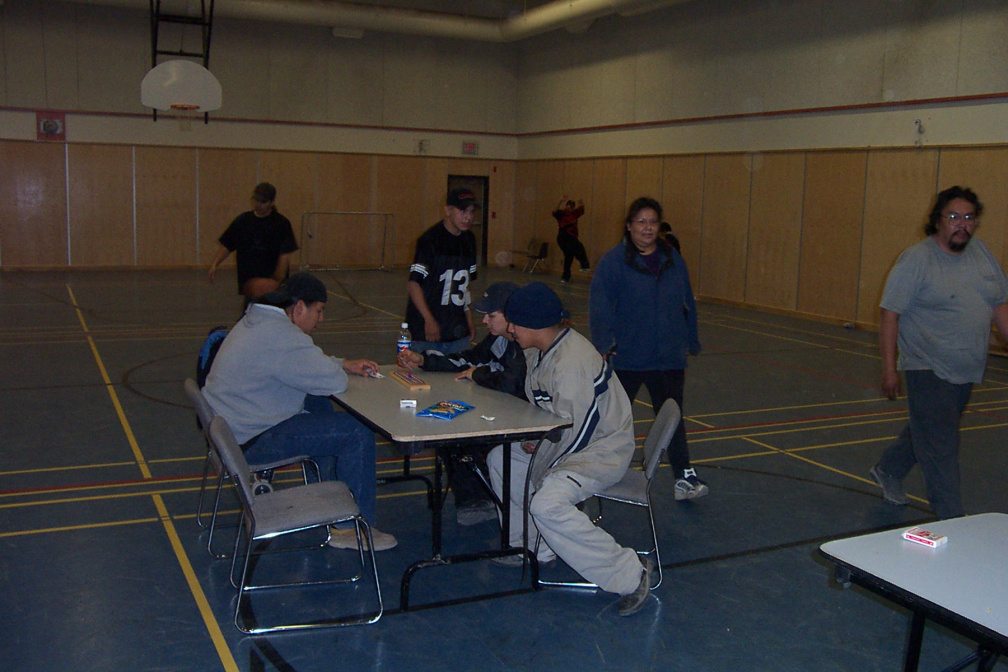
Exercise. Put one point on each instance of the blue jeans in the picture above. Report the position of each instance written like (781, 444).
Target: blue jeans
(445, 347)
(343, 448)
(931, 439)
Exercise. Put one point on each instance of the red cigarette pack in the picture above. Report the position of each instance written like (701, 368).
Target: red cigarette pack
(919, 535)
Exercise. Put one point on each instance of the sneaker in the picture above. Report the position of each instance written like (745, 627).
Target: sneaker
(632, 603)
(586, 269)
(689, 486)
(564, 281)
(476, 512)
(347, 539)
(892, 487)
(516, 560)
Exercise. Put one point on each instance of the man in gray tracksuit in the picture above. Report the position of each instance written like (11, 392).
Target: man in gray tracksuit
(568, 377)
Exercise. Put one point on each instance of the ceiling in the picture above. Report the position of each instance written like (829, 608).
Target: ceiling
(483, 20)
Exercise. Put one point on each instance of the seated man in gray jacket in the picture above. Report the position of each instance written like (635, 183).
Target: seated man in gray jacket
(568, 377)
(272, 384)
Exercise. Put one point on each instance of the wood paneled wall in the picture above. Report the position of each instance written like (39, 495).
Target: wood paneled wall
(806, 232)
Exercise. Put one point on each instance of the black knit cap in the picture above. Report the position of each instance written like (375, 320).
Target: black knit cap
(534, 306)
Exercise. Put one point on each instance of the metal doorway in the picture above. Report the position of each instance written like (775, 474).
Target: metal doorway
(480, 186)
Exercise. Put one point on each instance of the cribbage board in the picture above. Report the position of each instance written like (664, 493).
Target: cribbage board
(409, 380)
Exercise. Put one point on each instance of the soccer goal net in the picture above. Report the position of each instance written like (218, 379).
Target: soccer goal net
(334, 240)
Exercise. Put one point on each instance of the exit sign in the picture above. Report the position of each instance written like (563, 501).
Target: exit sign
(470, 148)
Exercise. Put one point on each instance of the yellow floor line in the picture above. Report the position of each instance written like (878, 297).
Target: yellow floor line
(825, 466)
(223, 650)
(71, 528)
(103, 465)
(213, 629)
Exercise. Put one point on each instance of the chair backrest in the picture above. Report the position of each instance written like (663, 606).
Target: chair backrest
(543, 250)
(204, 414)
(231, 454)
(660, 436)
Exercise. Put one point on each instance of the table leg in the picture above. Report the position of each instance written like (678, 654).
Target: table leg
(914, 642)
(438, 504)
(506, 496)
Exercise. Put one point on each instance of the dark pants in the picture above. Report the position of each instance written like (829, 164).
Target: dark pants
(662, 385)
(572, 248)
(931, 439)
(467, 486)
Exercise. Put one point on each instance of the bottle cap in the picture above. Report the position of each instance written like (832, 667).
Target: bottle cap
(404, 325)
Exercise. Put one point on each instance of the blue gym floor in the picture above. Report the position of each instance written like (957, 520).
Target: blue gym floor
(103, 567)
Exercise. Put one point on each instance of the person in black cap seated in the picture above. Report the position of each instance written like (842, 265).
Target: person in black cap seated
(569, 378)
(443, 266)
(272, 384)
(496, 362)
(263, 242)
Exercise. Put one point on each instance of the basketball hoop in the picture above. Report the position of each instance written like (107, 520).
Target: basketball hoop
(184, 114)
(181, 88)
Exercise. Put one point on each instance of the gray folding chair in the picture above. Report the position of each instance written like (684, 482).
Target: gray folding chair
(204, 414)
(533, 261)
(274, 514)
(635, 486)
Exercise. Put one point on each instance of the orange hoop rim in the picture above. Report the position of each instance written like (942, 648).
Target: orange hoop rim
(184, 107)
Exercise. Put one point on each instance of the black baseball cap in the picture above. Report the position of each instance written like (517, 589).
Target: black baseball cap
(495, 297)
(461, 198)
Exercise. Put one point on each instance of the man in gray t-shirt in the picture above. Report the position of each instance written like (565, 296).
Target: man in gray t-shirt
(937, 307)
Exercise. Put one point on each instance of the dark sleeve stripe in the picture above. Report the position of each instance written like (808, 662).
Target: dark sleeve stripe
(592, 417)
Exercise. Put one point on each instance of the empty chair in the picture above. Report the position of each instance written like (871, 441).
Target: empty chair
(204, 414)
(533, 261)
(635, 486)
(529, 250)
(274, 514)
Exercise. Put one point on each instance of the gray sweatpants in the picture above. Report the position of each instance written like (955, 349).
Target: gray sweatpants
(566, 531)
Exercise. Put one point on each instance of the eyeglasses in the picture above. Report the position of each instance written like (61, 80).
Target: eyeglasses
(643, 222)
(954, 218)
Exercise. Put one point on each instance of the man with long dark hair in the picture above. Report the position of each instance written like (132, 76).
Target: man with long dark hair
(936, 311)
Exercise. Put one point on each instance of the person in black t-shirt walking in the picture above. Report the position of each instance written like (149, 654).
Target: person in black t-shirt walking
(263, 242)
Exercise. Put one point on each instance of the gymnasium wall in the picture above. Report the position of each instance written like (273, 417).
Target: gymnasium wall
(795, 144)
(111, 206)
(760, 75)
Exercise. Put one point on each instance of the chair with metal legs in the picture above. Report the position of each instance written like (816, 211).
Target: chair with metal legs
(533, 261)
(635, 486)
(271, 515)
(204, 414)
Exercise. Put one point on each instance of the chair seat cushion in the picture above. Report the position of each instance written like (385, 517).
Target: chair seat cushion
(632, 489)
(302, 507)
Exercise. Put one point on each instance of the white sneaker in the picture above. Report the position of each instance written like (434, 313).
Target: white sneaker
(689, 486)
(347, 539)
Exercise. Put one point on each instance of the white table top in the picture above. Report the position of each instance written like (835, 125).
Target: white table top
(377, 401)
(967, 576)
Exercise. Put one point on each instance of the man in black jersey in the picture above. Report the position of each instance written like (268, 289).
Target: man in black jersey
(444, 263)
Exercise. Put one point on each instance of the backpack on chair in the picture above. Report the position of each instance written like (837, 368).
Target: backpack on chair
(207, 353)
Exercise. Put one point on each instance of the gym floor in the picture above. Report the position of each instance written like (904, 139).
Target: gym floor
(103, 567)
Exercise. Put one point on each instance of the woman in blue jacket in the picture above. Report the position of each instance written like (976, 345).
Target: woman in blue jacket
(643, 319)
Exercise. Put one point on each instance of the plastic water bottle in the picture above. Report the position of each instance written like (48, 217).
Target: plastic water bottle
(405, 338)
